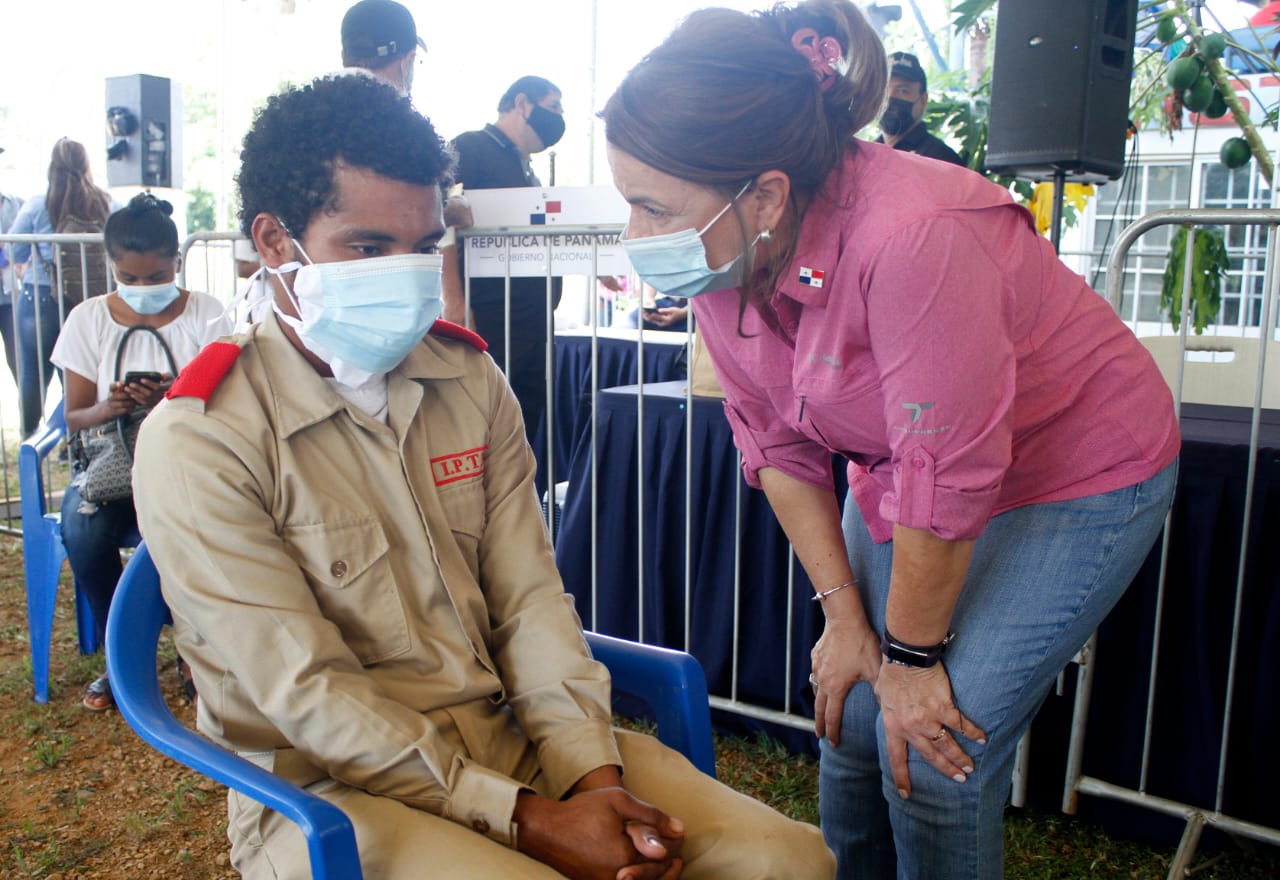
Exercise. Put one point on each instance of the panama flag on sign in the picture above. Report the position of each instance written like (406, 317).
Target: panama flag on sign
(811, 277)
(545, 213)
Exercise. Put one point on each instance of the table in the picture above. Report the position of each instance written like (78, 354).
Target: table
(618, 358)
(1198, 605)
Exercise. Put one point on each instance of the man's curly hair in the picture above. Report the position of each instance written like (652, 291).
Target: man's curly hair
(286, 165)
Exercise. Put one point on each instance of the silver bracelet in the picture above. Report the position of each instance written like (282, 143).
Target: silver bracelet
(820, 597)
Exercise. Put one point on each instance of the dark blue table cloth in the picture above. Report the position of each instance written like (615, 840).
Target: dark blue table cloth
(618, 356)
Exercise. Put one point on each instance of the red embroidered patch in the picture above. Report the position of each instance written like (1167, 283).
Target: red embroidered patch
(457, 466)
(201, 377)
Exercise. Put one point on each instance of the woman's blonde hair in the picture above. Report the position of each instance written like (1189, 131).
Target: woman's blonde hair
(71, 190)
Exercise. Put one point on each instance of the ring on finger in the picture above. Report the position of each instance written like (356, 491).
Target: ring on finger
(813, 682)
(942, 731)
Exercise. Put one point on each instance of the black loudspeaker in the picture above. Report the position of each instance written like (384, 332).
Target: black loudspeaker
(1060, 88)
(144, 131)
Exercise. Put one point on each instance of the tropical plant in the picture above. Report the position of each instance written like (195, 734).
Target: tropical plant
(1209, 264)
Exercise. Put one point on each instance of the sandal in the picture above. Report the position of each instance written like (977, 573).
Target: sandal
(97, 696)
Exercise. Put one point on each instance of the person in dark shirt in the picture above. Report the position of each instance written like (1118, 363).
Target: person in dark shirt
(901, 121)
(530, 119)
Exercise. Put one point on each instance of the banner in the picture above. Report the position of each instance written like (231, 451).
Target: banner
(514, 216)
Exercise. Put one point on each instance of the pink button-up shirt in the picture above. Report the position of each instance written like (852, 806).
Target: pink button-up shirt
(925, 331)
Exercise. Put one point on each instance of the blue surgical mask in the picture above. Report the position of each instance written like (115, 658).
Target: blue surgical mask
(676, 263)
(363, 317)
(147, 299)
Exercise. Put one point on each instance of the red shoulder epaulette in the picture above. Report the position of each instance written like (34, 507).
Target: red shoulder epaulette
(456, 331)
(205, 372)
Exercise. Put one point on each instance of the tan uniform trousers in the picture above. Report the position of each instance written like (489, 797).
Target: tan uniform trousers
(729, 836)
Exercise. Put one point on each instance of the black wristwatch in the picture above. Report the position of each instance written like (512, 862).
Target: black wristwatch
(921, 657)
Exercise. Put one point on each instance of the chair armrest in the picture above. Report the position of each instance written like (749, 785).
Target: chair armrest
(674, 686)
(138, 614)
(330, 838)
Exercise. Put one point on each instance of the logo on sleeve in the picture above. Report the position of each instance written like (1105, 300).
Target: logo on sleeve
(458, 466)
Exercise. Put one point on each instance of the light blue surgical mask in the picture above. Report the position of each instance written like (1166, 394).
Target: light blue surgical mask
(363, 317)
(676, 263)
(147, 299)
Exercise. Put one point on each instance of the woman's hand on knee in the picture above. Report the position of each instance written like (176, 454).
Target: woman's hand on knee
(847, 653)
(918, 710)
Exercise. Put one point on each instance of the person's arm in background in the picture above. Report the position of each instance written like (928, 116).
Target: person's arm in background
(457, 215)
(23, 224)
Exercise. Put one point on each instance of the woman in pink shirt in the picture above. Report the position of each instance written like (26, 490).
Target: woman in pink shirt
(1011, 445)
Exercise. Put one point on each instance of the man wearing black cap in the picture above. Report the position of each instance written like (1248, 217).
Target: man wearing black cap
(380, 37)
(901, 120)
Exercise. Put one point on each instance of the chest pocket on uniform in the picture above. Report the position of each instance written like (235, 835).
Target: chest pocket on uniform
(464, 507)
(353, 582)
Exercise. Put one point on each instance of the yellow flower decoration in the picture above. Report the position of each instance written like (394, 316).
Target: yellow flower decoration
(1076, 195)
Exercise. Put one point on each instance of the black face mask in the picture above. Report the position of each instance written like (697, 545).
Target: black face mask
(897, 117)
(547, 125)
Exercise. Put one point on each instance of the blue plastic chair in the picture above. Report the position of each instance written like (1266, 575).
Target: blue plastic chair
(671, 682)
(43, 554)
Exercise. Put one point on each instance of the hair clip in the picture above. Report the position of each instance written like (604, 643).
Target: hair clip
(823, 53)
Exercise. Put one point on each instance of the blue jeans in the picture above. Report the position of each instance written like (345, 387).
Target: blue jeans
(1041, 580)
(34, 367)
(93, 535)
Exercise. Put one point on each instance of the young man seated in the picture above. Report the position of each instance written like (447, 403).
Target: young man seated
(345, 524)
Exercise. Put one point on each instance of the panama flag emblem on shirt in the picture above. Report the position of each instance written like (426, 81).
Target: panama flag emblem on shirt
(811, 277)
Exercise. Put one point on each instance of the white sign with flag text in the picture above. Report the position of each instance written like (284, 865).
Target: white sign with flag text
(520, 224)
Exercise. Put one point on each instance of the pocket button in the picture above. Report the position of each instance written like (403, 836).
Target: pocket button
(338, 569)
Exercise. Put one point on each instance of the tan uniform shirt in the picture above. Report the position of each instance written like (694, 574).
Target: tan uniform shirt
(375, 603)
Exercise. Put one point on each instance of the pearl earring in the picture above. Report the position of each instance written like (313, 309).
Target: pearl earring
(766, 235)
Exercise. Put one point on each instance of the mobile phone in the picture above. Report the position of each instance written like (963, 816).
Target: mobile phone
(134, 377)
(651, 310)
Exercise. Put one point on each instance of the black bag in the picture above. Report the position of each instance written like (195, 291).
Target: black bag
(103, 454)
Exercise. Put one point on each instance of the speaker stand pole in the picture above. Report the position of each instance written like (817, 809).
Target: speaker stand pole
(1059, 192)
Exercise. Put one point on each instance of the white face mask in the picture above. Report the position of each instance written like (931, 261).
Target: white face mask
(147, 299)
(676, 263)
(363, 317)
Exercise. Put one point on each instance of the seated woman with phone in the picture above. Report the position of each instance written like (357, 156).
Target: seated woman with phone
(119, 354)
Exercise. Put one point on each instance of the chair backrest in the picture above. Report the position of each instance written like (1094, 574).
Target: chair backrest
(138, 614)
(31, 455)
(1218, 369)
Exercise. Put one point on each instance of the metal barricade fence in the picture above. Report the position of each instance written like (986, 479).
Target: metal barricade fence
(209, 264)
(1196, 816)
(29, 339)
(783, 705)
